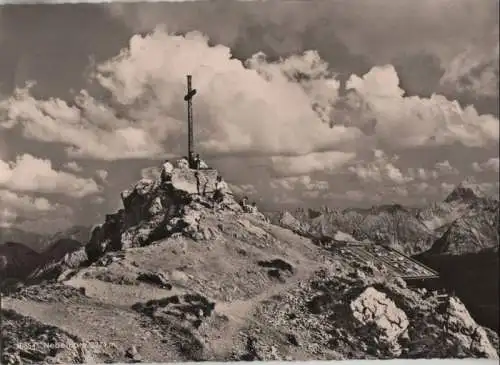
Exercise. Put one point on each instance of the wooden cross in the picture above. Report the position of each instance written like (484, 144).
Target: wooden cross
(188, 98)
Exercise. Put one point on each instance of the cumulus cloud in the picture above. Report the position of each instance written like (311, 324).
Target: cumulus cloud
(151, 173)
(29, 173)
(490, 165)
(423, 174)
(421, 187)
(18, 208)
(313, 162)
(250, 107)
(404, 122)
(447, 187)
(287, 107)
(73, 166)
(88, 128)
(25, 203)
(355, 195)
(102, 174)
(475, 70)
(489, 188)
(292, 113)
(303, 182)
(98, 200)
(46, 225)
(445, 168)
(380, 170)
(244, 189)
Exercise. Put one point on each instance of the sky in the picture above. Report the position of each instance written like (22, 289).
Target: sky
(299, 104)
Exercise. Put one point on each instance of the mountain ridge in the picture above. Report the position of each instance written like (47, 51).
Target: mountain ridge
(182, 277)
(383, 223)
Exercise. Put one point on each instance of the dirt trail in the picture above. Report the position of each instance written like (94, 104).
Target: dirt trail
(106, 312)
(110, 329)
(239, 313)
(120, 295)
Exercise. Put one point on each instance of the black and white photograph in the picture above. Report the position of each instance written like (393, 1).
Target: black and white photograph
(223, 180)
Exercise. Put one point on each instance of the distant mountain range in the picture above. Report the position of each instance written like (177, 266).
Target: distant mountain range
(22, 253)
(40, 242)
(466, 221)
(177, 276)
(457, 237)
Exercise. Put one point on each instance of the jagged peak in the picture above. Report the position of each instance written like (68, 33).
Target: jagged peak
(155, 209)
(17, 245)
(468, 189)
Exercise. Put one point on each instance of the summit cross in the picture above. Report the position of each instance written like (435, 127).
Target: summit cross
(188, 98)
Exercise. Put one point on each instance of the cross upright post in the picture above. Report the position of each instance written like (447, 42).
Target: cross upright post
(188, 98)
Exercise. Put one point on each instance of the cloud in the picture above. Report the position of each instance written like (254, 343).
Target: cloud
(380, 170)
(405, 122)
(102, 174)
(98, 200)
(46, 225)
(283, 199)
(475, 70)
(355, 195)
(400, 191)
(25, 203)
(73, 166)
(423, 39)
(251, 107)
(29, 173)
(423, 174)
(303, 182)
(491, 189)
(89, 128)
(286, 183)
(445, 168)
(447, 187)
(313, 162)
(27, 211)
(383, 29)
(422, 187)
(243, 189)
(441, 169)
(288, 107)
(151, 173)
(490, 165)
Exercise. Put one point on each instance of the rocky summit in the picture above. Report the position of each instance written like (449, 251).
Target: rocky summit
(177, 276)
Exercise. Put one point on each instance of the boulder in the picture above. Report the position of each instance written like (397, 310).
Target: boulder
(462, 327)
(375, 311)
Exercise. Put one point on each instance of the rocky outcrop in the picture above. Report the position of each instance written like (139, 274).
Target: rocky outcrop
(474, 278)
(392, 224)
(177, 276)
(154, 210)
(466, 191)
(467, 250)
(475, 230)
(20, 264)
(56, 267)
(466, 221)
(467, 332)
(287, 220)
(190, 308)
(380, 317)
(155, 278)
(25, 340)
(17, 261)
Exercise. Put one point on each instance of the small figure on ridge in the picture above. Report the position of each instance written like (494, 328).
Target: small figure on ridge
(166, 171)
(220, 189)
